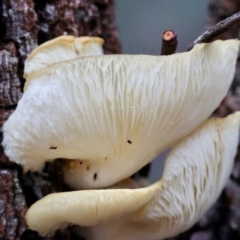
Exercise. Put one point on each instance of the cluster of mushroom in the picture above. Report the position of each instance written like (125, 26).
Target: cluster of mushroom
(110, 115)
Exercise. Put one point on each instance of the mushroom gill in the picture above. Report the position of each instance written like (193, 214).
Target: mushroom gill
(114, 113)
(196, 170)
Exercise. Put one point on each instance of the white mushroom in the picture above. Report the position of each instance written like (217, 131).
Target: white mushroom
(195, 173)
(114, 114)
(61, 49)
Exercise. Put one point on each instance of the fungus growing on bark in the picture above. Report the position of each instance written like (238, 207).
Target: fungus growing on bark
(195, 172)
(87, 109)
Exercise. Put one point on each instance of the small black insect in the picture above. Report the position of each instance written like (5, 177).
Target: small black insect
(53, 147)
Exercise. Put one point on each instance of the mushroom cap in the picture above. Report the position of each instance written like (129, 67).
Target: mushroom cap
(195, 173)
(116, 113)
(61, 49)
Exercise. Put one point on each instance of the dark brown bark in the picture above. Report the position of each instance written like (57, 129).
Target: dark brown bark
(24, 25)
(78, 18)
(12, 205)
(222, 221)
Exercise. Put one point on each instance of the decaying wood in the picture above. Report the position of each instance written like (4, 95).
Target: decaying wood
(24, 25)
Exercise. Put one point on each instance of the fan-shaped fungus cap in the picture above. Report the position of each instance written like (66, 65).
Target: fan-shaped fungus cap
(195, 173)
(116, 113)
(61, 49)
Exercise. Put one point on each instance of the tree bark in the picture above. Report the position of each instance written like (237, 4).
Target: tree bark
(222, 221)
(24, 25)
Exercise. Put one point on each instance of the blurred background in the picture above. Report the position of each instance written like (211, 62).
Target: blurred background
(141, 24)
